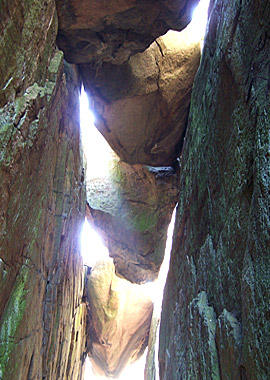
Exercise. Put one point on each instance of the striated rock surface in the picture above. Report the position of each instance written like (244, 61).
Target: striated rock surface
(111, 31)
(131, 208)
(42, 201)
(28, 32)
(221, 244)
(141, 107)
(120, 320)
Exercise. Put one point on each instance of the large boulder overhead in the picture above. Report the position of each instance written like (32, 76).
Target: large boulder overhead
(141, 106)
(112, 31)
(131, 208)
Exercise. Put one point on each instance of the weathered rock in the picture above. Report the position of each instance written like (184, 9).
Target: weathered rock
(229, 339)
(42, 201)
(132, 208)
(111, 31)
(28, 32)
(141, 107)
(121, 317)
(222, 238)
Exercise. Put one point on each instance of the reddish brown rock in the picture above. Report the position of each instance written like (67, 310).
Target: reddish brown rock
(120, 320)
(42, 201)
(28, 32)
(141, 107)
(111, 31)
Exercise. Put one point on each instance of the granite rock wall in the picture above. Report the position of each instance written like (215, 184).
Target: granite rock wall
(215, 319)
(42, 200)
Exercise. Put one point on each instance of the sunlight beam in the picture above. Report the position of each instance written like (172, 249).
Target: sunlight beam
(97, 151)
(92, 247)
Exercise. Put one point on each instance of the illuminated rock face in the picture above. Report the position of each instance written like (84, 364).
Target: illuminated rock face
(131, 208)
(141, 107)
(120, 320)
(215, 319)
(111, 31)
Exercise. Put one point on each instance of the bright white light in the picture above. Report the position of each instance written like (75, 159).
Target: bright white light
(96, 149)
(92, 247)
(199, 19)
(155, 289)
(134, 371)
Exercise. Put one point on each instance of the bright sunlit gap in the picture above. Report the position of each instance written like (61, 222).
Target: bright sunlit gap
(96, 149)
(92, 246)
(198, 23)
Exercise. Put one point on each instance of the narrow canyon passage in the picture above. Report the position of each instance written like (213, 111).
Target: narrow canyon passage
(188, 130)
(100, 160)
(108, 193)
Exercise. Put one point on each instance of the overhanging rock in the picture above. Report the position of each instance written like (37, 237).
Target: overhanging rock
(111, 31)
(141, 107)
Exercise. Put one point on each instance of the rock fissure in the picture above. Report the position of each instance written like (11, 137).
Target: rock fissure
(207, 151)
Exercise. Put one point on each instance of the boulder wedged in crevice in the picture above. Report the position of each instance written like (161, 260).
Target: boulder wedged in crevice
(120, 317)
(112, 31)
(131, 208)
(141, 107)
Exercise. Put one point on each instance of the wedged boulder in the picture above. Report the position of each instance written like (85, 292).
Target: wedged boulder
(141, 107)
(120, 320)
(112, 31)
(131, 208)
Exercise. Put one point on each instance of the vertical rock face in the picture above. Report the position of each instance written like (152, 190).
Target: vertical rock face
(215, 319)
(42, 201)
(25, 44)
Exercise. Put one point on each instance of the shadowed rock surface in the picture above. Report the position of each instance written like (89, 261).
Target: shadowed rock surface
(141, 107)
(120, 320)
(216, 301)
(111, 31)
(131, 208)
(28, 32)
(42, 201)
(42, 205)
(215, 321)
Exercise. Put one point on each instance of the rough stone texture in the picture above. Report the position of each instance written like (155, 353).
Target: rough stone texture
(221, 241)
(229, 337)
(25, 45)
(120, 320)
(132, 208)
(111, 31)
(141, 107)
(42, 201)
